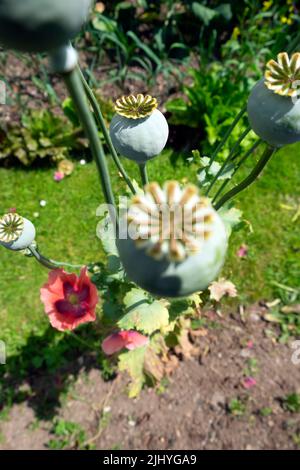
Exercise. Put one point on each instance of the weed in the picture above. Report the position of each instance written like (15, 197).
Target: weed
(67, 435)
(237, 407)
(292, 403)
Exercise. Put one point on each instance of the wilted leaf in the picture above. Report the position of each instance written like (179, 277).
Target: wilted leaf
(143, 313)
(133, 363)
(220, 288)
(271, 318)
(291, 308)
(66, 167)
(154, 366)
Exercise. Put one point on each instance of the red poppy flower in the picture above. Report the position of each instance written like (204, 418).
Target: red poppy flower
(123, 339)
(69, 300)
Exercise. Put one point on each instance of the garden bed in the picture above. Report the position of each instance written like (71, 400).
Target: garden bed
(205, 403)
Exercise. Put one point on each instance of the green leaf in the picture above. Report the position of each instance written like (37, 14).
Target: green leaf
(176, 105)
(231, 217)
(204, 162)
(142, 313)
(196, 154)
(227, 172)
(225, 10)
(103, 24)
(214, 168)
(184, 307)
(105, 231)
(113, 264)
(111, 312)
(133, 363)
(148, 51)
(123, 6)
(70, 111)
(203, 13)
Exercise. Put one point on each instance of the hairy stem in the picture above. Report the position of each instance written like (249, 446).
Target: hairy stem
(228, 159)
(245, 157)
(77, 93)
(144, 174)
(50, 263)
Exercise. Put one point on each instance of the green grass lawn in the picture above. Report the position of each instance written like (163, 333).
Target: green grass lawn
(66, 230)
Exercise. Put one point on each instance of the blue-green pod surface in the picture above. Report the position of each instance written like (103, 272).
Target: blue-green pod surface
(40, 25)
(274, 118)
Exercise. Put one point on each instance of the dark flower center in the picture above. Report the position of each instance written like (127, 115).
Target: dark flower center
(75, 302)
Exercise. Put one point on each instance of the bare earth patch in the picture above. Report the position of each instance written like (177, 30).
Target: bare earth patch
(192, 411)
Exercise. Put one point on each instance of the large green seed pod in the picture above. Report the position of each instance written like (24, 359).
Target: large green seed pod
(139, 131)
(273, 107)
(16, 232)
(40, 25)
(174, 243)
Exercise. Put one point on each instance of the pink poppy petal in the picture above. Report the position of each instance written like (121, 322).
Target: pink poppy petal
(242, 251)
(249, 382)
(136, 340)
(63, 313)
(114, 343)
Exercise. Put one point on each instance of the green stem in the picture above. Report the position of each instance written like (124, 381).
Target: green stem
(226, 136)
(77, 93)
(101, 123)
(50, 263)
(269, 151)
(73, 335)
(228, 159)
(247, 155)
(144, 174)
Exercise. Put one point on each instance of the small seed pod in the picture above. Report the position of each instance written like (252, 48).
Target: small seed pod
(40, 26)
(174, 242)
(16, 232)
(139, 131)
(273, 107)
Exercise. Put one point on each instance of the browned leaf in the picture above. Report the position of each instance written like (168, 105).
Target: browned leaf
(291, 308)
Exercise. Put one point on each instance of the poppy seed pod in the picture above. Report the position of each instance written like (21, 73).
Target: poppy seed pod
(139, 131)
(174, 243)
(16, 232)
(40, 25)
(273, 107)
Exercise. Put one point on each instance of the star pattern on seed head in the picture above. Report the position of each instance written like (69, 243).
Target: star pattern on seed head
(170, 222)
(283, 76)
